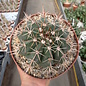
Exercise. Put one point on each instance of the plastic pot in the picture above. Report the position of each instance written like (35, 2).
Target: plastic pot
(67, 4)
(83, 2)
(75, 7)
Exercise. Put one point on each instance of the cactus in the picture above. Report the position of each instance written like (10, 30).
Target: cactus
(9, 5)
(3, 46)
(5, 27)
(5, 32)
(44, 45)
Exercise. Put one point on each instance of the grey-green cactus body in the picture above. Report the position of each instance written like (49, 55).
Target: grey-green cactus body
(43, 45)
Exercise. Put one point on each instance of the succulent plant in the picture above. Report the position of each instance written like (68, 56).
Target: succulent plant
(5, 32)
(84, 67)
(84, 43)
(9, 5)
(2, 45)
(44, 45)
(83, 51)
(77, 15)
(5, 28)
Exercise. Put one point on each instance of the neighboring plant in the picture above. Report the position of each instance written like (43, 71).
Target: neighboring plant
(2, 45)
(84, 43)
(5, 31)
(77, 15)
(78, 30)
(9, 5)
(83, 51)
(44, 45)
(84, 67)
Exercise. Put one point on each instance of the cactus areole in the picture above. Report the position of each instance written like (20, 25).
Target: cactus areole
(44, 45)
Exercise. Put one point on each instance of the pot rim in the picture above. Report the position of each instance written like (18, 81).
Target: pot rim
(75, 5)
(62, 72)
(67, 4)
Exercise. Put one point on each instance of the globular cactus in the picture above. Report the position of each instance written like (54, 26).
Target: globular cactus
(44, 45)
(3, 46)
(9, 5)
(5, 32)
(5, 27)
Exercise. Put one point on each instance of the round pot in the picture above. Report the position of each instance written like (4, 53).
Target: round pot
(28, 80)
(75, 7)
(66, 4)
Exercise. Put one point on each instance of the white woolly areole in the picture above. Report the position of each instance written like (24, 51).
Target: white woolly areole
(57, 38)
(40, 30)
(34, 40)
(42, 41)
(41, 35)
(49, 47)
(53, 32)
(50, 40)
(37, 52)
(30, 31)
